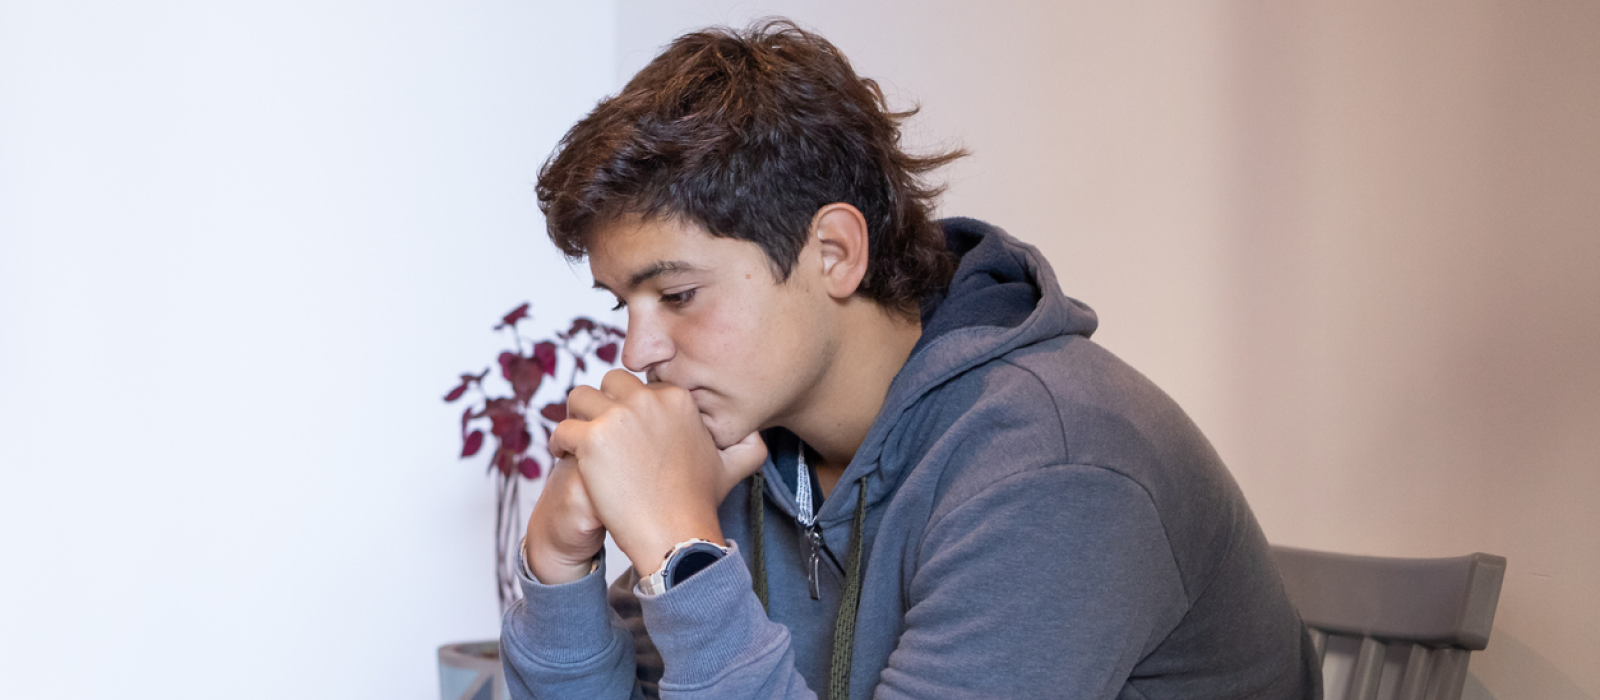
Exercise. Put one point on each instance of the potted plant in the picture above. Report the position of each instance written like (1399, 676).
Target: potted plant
(472, 671)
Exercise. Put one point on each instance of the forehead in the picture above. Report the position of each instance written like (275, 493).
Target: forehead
(629, 252)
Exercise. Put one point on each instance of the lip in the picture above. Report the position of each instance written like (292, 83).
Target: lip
(701, 396)
(698, 392)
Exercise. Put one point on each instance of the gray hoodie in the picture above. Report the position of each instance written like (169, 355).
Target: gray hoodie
(1040, 521)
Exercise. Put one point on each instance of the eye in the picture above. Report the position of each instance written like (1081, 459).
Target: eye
(678, 298)
(620, 305)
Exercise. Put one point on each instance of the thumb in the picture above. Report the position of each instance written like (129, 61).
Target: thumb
(742, 459)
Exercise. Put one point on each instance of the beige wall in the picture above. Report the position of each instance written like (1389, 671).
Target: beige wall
(1414, 282)
(1358, 242)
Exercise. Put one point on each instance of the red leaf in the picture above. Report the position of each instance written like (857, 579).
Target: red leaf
(455, 393)
(545, 353)
(525, 375)
(581, 324)
(518, 443)
(504, 461)
(466, 416)
(505, 421)
(607, 353)
(506, 359)
(473, 444)
(510, 319)
(580, 364)
(529, 468)
(555, 412)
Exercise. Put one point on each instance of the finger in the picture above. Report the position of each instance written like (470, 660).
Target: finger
(564, 475)
(619, 383)
(565, 484)
(563, 469)
(566, 438)
(586, 403)
(744, 457)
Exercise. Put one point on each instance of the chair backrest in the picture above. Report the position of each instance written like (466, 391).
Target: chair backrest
(1424, 615)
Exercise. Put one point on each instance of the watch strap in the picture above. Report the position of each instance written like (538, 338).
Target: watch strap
(669, 576)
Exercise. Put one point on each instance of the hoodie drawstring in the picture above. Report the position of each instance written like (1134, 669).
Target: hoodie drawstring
(844, 626)
(758, 533)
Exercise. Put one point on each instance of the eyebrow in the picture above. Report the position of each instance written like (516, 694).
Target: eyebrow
(654, 270)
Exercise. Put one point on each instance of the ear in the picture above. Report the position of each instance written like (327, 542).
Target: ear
(840, 232)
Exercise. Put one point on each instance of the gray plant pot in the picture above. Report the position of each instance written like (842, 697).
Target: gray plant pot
(472, 671)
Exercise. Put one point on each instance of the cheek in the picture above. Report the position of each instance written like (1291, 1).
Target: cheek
(742, 338)
(727, 334)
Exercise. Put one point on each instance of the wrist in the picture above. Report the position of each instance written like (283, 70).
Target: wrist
(684, 560)
(649, 552)
(551, 568)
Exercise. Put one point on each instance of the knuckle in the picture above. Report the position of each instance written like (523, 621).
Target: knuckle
(678, 398)
(638, 400)
(668, 392)
(580, 394)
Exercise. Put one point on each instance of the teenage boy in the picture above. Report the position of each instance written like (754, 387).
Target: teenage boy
(876, 455)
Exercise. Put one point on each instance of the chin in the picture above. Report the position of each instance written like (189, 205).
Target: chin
(722, 437)
(724, 432)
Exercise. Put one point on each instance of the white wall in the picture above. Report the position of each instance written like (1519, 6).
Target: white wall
(244, 250)
(1356, 241)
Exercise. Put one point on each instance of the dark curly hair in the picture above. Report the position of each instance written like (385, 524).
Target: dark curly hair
(747, 134)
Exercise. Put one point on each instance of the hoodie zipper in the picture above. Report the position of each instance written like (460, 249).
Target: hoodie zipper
(805, 512)
(813, 555)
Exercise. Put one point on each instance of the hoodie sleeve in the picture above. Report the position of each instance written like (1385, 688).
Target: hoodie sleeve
(716, 640)
(710, 634)
(563, 641)
(1064, 573)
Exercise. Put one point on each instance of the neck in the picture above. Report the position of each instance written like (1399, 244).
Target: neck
(872, 346)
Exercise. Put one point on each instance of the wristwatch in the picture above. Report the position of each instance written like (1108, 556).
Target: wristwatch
(684, 560)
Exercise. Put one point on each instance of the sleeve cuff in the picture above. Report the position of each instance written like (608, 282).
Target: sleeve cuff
(562, 623)
(710, 623)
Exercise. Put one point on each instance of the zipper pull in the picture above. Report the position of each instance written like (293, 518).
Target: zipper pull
(813, 559)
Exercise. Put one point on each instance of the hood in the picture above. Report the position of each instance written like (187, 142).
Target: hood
(1004, 296)
(999, 284)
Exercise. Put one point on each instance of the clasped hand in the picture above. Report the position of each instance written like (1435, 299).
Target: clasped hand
(636, 460)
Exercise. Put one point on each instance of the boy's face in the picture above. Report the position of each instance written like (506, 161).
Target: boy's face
(706, 314)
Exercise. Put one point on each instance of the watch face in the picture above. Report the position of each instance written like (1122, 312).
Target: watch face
(690, 560)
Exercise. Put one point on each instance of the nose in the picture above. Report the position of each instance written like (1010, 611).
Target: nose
(648, 344)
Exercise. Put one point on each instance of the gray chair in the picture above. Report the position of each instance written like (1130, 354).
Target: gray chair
(1423, 615)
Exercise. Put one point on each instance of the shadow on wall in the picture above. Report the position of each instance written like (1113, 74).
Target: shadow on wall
(1516, 665)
